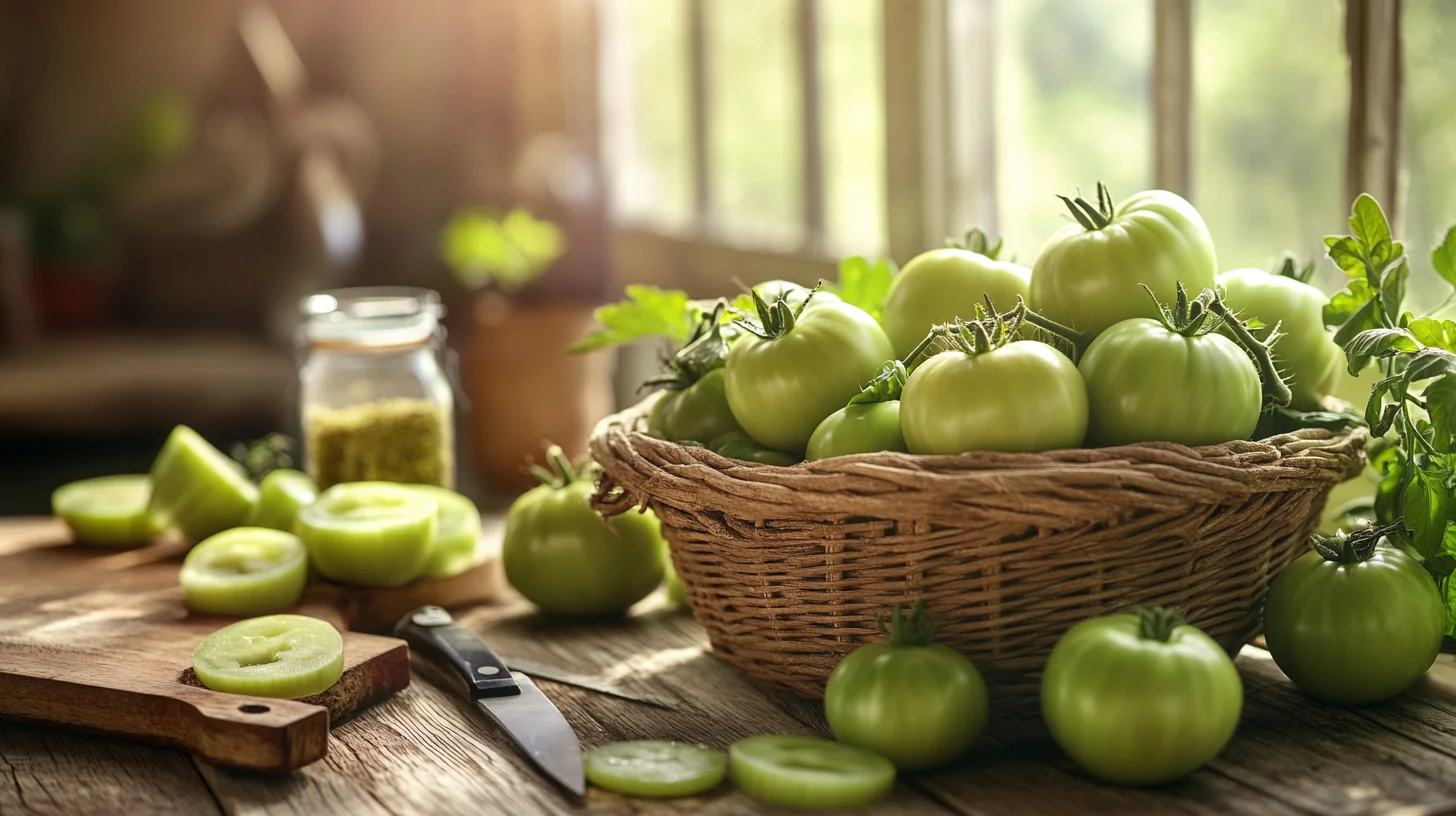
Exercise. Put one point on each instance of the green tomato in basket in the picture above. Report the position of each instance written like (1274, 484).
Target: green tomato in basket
(1021, 396)
(863, 428)
(561, 554)
(797, 366)
(945, 284)
(1169, 380)
(918, 704)
(1305, 350)
(739, 445)
(1354, 622)
(1087, 275)
(1142, 698)
(696, 413)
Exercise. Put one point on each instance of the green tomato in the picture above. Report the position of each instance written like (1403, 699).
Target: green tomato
(944, 284)
(864, 428)
(698, 413)
(1140, 699)
(561, 555)
(917, 704)
(1146, 383)
(1024, 396)
(1354, 633)
(1305, 351)
(781, 388)
(107, 511)
(808, 773)
(739, 445)
(1088, 278)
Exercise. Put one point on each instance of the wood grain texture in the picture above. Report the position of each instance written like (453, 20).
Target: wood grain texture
(101, 641)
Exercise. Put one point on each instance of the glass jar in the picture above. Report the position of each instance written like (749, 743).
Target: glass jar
(374, 401)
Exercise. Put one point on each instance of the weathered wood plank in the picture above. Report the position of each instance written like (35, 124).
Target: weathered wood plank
(45, 771)
(426, 752)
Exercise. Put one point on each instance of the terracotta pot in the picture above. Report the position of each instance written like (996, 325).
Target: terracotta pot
(525, 390)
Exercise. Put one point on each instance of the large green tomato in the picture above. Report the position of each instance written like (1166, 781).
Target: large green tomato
(1140, 699)
(1357, 632)
(1024, 396)
(1147, 383)
(698, 413)
(944, 284)
(1305, 352)
(863, 428)
(739, 445)
(1087, 274)
(560, 554)
(918, 704)
(780, 388)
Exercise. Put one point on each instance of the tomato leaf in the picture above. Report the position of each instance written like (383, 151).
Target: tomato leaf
(1347, 255)
(1369, 227)
(1437, 333)
(1428, 363)
(865, 283)
(1428, 503)
(1440, 399)
(1392, 288)
(1346, 304)
(1443, 257)
(646, 312)
(1375, 343)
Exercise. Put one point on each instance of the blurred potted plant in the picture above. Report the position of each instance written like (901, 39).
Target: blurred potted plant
(523, 387)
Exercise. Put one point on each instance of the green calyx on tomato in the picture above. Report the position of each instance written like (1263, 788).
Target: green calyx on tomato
(794, 366)
(1292, 312)
(947, 284)
(989, 391)
(870, 423)
(1086, 275)
(1140, 698)
(915, 703)
(695, 407)
(559, 552)
(1221, 382)
(1354, 621)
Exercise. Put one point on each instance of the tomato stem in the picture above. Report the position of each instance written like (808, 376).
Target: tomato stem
(885, 387)
(704, 351)
(1276, 391)
(561, 473)
(1352, 548)
(978, 241)
(1158, 622)
(1289, 268)
(1090, 217)
(774, 319)
(918, 629)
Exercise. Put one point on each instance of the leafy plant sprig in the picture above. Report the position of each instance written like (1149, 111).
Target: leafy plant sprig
(706, 349)
(1415, 398)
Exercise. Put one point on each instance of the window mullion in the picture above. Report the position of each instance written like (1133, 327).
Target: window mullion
(698, 102)
(914, 90)
(1373, 39)
(1173, 95)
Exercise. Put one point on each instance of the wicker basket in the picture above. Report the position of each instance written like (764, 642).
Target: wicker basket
(786, 568)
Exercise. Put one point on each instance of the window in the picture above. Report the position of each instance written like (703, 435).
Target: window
(766, 138)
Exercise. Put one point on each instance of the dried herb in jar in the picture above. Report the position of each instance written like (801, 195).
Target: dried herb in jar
(394, 440)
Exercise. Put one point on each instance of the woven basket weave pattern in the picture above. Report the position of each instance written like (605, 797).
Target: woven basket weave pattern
(787, 568)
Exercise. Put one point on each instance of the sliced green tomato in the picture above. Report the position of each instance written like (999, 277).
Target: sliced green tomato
(287, 656)
(108, 511)
(196, 489)
(245, 571)
(281, 495)
(457, 532)
(655, 768)
(809, 773)
(370, 533)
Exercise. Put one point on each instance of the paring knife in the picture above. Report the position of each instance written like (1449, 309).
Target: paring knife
(509, 698)
(542, 671)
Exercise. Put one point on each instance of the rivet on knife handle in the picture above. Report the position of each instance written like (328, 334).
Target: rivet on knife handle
(435, 637)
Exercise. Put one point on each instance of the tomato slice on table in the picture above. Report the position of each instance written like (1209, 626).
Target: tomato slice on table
(370, 533)
(656, 769)
(245, 571)
(809, 773)
(196, 489)
(108, 511)
(287, 656)
(282, 495)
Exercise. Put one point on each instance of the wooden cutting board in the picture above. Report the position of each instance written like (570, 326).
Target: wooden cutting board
(100, 641)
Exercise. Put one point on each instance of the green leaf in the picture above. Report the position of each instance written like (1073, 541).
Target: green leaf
(1347, 303)
(1440, 399)
(1347, 255)
(1392, 288)
(1436, 333)
(1376, 343)
(1427, 364)
(1389, 461)
(646, 312)
(1362, 320)
(1377, 414)
(865, 283)
(1370, 228)
(1427, 504)
(1443, 257)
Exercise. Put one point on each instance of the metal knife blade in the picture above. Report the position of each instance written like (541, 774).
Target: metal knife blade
(568, 678)
(542, 733)
(509, 698)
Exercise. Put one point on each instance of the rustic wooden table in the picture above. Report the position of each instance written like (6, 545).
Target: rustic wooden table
(424, 752)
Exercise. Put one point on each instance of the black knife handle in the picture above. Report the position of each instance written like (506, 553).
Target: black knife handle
(456, 651)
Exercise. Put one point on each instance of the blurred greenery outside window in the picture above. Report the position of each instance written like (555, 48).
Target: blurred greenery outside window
(1072, 103)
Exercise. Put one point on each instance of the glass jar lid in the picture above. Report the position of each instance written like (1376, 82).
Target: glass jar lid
(371, 316)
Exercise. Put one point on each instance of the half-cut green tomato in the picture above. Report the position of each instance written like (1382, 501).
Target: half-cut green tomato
(281, 495)
(809, 773)
(286, 656)
(370, 533)
(108, 511)
(457, 532)
(655, 769)
(196, 489)
(245, 571)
